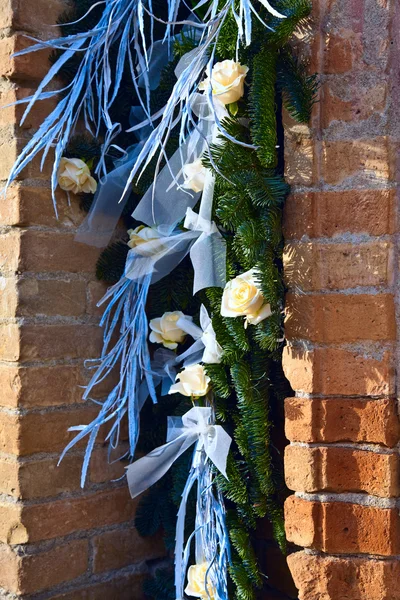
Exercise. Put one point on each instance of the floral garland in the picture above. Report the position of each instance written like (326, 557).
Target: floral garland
(197, 294)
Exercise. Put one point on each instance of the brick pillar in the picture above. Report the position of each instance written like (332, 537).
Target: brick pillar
(341, 264)
(56, 541)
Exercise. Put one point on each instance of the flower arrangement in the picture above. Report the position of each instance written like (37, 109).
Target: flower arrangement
(197, 296)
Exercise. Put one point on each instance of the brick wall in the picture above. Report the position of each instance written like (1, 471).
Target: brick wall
(56, 541)
(342, 271)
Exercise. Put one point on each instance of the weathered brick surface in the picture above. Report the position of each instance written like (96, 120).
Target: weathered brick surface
(341, 372)
(62, 517)
(120, 548)
(332, 469)
(336, 318)
(331, 420)
(22, 67)
(26, 205)
(48, 569)
(56, 540)
(343, 528)
(342, 311)
(34, 387)
(40, 478)
(330, 214)
(334, 578)
(316, 266)
(123, 587)
(18, 15)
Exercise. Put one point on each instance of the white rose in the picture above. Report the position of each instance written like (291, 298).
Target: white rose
(197, 583)
(74, 176)
(212, 350)
(145, 240)
(165, 330)
(242, 297)
(195, 175)
(227, 81)
(193, 381)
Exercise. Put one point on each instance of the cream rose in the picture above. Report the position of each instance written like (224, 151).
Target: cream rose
(227, 81)
(194, 174)
(144, 235)
(74, 176)
(196, 586)
(193, 381)
(242, 297)
(165, 331)
(212, 350)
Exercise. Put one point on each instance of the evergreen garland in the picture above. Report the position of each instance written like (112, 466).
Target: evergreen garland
(249, 195)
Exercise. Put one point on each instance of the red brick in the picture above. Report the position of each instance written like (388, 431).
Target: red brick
(11, 529)
(123, 587)
(45, 478)
(31, 387)
(331, 371)
(300, 160)
(342, 419)
(11, 146)
(342, 52)
(368, 159)
(105, 467)
(18, 15)
(96, 291)
(360, 102)
(327, 214)
(29, 66)
(73, 341)
(10, 245)
(62, 517)
(26, 205)
(51, 297)
(9, 433)
(332, 469)
(317, 266)
(55, 251)
(8, 297)
(339, 527)
(53, 427)
(41, 478)
(13, 113)
(58, 565)
(333, 578)
(9, 568)
(123, 547)
(337, 318)
(9, 477)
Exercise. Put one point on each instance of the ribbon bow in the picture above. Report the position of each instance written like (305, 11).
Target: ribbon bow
(195, 427)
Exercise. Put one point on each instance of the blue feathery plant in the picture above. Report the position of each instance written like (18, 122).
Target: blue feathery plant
(94, 88)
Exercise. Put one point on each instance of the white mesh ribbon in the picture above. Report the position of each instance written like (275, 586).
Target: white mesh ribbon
(195, 427)
(202, 239)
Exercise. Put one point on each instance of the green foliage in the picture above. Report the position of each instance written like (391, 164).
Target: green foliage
(262, 106)
(161, 587)
(249, 385)
(111, 263)
(298, 88)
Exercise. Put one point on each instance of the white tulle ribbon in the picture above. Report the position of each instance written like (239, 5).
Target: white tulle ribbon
(205, 347)
(195, 427)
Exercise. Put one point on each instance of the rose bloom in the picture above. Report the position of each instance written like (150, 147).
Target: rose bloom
(142, 235)
(197, 583)
(242, 297)
(227, 81)
(165, 330)
(193, 381)
(194, 174)
(74, 176)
